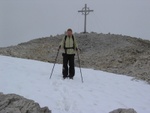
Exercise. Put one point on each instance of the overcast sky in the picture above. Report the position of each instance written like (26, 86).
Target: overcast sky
(23, 20)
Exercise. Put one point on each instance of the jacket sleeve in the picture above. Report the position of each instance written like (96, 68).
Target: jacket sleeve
(75, 42)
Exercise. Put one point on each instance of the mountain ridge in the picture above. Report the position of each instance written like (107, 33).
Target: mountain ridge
(108, 52)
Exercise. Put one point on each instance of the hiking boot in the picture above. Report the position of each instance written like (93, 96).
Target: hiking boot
(64, 77)
(71, 78)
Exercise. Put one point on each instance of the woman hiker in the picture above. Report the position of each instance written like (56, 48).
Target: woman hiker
(69, 44)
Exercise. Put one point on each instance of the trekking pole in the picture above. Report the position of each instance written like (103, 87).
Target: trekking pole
(80, 66)
(54, 64)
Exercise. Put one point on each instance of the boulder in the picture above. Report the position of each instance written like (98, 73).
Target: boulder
(121, 110)
(12, 103)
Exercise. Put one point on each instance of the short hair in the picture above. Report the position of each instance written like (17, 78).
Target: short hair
(69, 29)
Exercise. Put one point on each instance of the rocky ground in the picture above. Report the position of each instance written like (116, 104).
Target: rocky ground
(108, 52)
(12, 103)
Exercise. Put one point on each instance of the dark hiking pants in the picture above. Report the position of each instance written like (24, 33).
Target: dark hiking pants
(68, 59)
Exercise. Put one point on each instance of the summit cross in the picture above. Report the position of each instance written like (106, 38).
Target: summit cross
(85, 11)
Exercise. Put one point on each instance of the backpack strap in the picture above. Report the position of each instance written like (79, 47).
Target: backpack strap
(68, 47)
(73, 42)
(65, 44)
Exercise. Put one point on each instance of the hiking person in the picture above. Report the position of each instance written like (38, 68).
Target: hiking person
(69, 45)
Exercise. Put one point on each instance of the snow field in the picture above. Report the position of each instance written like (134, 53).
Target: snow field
(101, 92)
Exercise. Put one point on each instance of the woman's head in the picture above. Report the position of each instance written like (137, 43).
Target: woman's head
(69, 32)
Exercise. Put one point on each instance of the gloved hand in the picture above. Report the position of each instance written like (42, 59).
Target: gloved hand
(59, 47)
(77, 49)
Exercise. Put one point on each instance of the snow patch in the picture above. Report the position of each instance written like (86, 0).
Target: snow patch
(101, 91)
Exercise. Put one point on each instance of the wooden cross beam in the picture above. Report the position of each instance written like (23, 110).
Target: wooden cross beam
(85, 11)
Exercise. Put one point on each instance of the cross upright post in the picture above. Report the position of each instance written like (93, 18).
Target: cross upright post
(85, 11)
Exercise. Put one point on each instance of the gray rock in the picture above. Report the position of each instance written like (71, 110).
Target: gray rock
(121, 110)
(12, 103)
